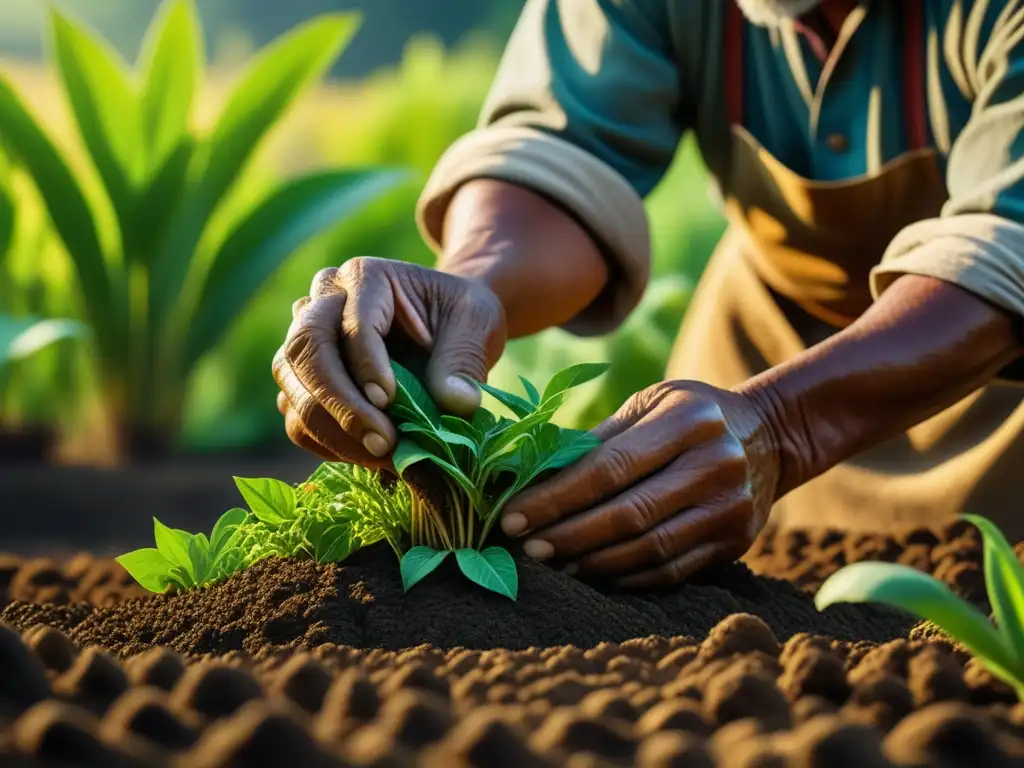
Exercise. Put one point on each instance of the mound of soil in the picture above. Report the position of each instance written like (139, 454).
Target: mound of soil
(361, 604)
(737, 698)
(951, 553)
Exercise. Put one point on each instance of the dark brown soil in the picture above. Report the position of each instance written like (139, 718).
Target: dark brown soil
(361, 604)
(311, 666)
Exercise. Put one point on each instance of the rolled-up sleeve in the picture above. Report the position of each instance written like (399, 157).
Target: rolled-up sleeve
(585, 111)
(978, 240)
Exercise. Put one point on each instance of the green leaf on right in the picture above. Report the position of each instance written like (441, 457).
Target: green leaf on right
(418, 563)
(492, 569)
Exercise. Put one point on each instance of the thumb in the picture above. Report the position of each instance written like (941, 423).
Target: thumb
(465, 350)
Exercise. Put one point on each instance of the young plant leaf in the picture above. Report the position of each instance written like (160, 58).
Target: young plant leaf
(272, 501)
(225, 527)
(521, 408)
(148, 567)
(410, 395)
(173, 544)
(440, 434)
(1004, 581)
(418, 563)
(558, 447)
(573, 376)
(199, 556)
(531, 391)
(407, 453)
(483, 421)
(926, 597)
(492, 569)
(461, 427)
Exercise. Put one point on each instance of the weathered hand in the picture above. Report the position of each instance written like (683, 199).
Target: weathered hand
(334, 367)
(684, 479)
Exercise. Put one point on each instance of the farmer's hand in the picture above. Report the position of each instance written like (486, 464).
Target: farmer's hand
(334, 368)
(684, 479)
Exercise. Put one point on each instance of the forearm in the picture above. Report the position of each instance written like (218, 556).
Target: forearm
(922, 347)
(543, 265)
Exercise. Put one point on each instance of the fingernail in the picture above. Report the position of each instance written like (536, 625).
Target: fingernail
(513, 524)
(538, 549)
(376, 395)
(462, 387)
(571, 569)
(375, 444)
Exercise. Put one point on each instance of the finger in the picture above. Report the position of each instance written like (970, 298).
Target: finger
(298, 305)
(677, 535)
(685, 566)
(310, 371)
(325, 283)
(298, 435)
(636, 511)
(282, 403)
(608, 470)
(466, 346)
(365, 322)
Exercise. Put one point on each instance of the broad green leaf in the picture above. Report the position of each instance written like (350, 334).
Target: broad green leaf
(903, 587)
(483, 421)
(22, 337)
(225, 527)
(492, 569)
(418, 563)
(521, 408)
(170, 62)
(161, 198)
(200, 556)
(337, 543)
(407, 453)
(275, 78)
(573, 376)
(148, 567)
(531, 391)
(1004, 580)
(173, 545)
(7, 218)
(264, 240)
(461, 427)
(500, 440)
(449, 437)
(71, 217)
(105, 108)
(272, 501)
(559, 447)
(410, 395)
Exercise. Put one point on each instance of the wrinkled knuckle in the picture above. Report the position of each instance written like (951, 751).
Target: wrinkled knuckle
(617, 468)
(325, 281)
(300, 346)
(642, 514)
(661, 545)
(733, 466)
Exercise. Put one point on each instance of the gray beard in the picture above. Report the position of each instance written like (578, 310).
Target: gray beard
(771, 13)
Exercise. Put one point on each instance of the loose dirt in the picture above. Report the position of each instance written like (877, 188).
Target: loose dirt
(294, 664)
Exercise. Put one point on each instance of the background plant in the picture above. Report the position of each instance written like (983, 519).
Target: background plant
(166, 247)
(999, 646)
(479, 466)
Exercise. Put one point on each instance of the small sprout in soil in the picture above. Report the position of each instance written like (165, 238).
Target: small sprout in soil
(338, 510)
(1000, 647)
(480, 464)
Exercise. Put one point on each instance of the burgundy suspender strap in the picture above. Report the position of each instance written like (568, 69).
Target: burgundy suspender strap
(915, 98)
(914, 88)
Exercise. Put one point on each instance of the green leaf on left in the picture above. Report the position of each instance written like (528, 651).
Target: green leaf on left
(492, 569)
(148, 567)
(418, 563)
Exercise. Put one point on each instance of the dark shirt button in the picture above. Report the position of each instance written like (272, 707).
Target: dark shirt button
(838, 143)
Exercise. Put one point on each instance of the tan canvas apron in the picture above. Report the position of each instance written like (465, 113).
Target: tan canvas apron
(792, 269)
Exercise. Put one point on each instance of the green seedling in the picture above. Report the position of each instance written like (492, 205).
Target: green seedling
(999, 646)
(481, 463)
(188, 561)
(338, 510)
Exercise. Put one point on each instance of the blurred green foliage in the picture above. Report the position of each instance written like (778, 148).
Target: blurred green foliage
(404, 116)
(164, 256)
